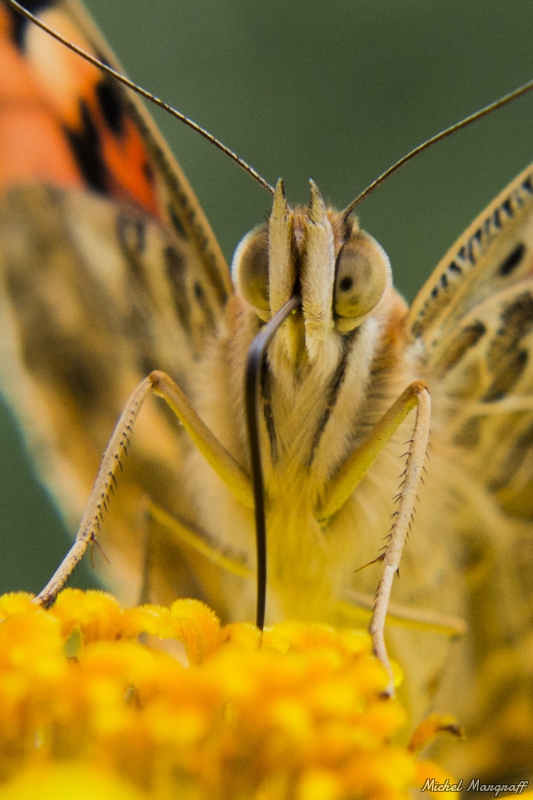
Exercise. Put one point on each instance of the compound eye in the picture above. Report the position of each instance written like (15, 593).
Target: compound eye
(361, 277)
(250, 268)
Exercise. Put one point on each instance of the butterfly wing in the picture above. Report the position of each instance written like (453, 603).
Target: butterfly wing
(108, 270)
(472, 324)
(471, 330)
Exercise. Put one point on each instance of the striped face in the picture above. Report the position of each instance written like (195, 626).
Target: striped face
(110, 270)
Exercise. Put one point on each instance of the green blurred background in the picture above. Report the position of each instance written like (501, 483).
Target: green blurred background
(336, 91)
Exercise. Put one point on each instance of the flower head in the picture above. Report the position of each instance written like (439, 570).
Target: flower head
(93, 694)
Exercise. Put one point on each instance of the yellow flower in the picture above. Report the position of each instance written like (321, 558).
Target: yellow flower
(93, 697)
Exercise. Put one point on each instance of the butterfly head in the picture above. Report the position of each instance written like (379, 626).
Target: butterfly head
(341, 272)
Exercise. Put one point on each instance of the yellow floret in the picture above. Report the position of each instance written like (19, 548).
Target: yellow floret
(92, 697)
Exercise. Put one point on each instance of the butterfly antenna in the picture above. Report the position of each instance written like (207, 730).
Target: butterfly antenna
(144, 93)
(508, 98)
(251, 391)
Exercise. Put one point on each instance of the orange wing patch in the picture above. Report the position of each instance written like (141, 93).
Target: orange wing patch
(32, 143)
(61, 120)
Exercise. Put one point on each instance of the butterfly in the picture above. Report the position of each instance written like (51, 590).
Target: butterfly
(131, 279)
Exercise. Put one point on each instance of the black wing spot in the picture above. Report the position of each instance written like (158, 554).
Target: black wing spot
(85, 383)
(514, 461)
(516, 322)
(20, 23)
(513, 260)
(467, 338)
(131, 234)
(148, 172)
(176, 222)
(87, 148)
(507, 377)
(519, 315)
(109, 101)
(175, 263)
(176, 274)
